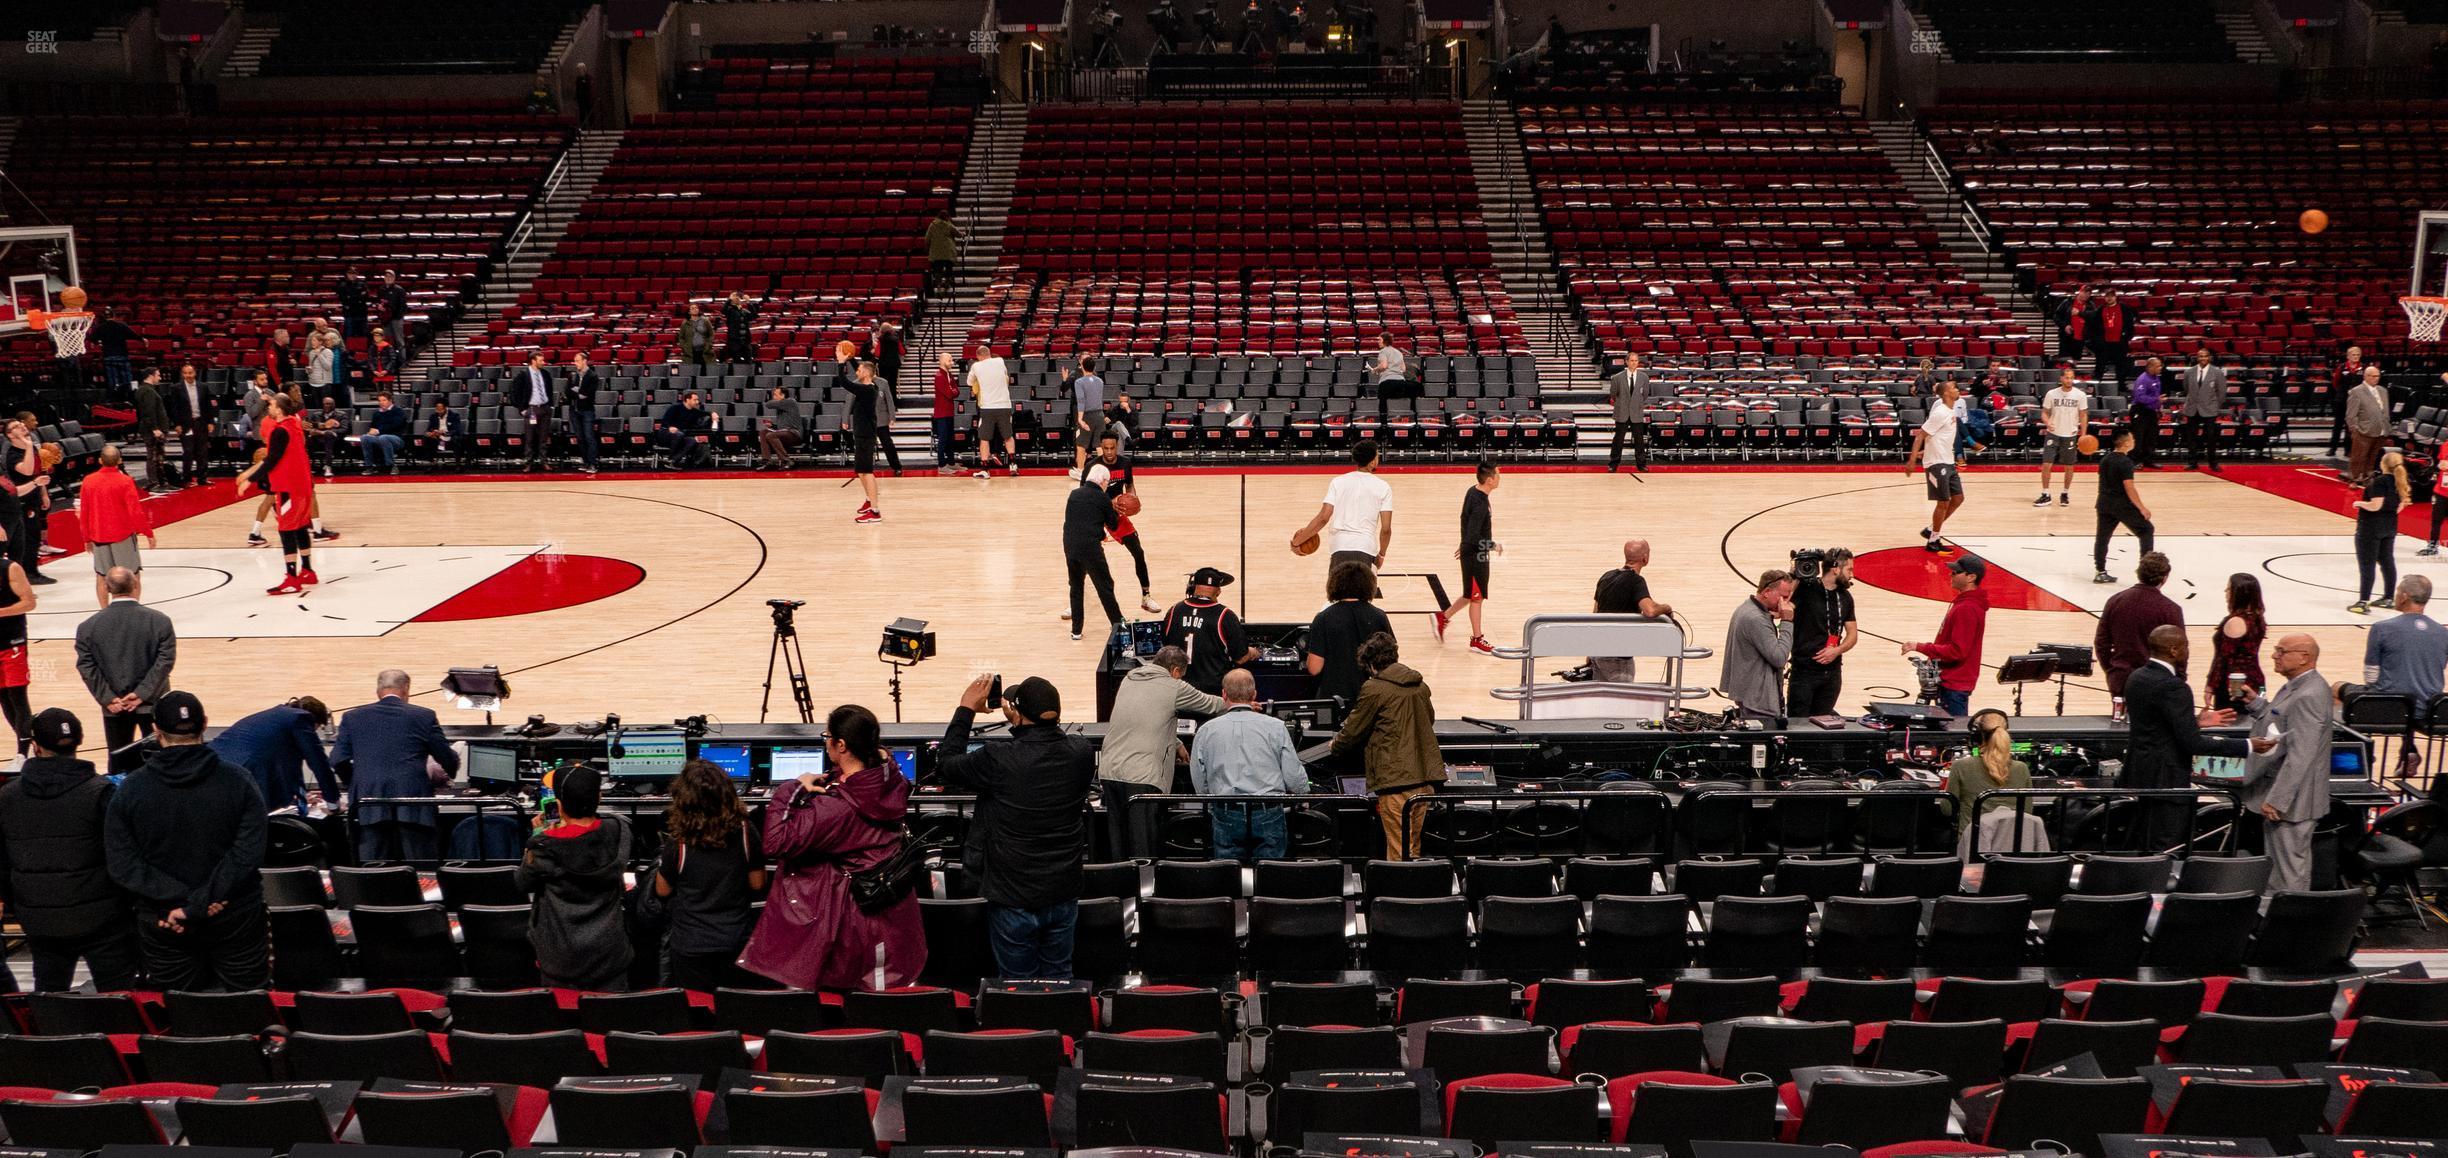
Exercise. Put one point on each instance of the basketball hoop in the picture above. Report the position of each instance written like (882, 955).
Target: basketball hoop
(2423, 317)
(67, 329)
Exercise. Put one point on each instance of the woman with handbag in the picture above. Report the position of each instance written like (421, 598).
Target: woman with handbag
(843, 911)
(712, 864)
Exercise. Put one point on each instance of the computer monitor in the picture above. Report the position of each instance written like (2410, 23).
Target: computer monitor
(492, 764)
(906, 759)
(2346, 763)
(650, 754)
(793, 763)
(2219, 769)
(733, 759)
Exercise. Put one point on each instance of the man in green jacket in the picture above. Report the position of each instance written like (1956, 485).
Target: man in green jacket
(1393, 726)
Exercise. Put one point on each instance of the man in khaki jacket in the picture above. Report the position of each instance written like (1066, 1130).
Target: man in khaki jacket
(1393, 726)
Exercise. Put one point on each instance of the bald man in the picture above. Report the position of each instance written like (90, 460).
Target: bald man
(1624, 591)
(2166, 735)
(2286, 778)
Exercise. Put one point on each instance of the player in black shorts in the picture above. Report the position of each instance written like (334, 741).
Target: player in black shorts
(1478, 544)
(1123, 482)
(863, 389)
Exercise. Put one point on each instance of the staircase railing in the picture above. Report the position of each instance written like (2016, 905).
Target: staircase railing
(524, 232)
(1995, 257)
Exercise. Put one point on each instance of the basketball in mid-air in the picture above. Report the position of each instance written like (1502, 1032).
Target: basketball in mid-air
(72, 298)
(1308, 546)
(2312, 221)
(2087, 444)
(1126, 505)
(844, 349)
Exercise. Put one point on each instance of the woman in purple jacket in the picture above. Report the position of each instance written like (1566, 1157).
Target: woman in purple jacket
(820, 829)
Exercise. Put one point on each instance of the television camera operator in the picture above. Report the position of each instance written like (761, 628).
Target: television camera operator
(1824, 629)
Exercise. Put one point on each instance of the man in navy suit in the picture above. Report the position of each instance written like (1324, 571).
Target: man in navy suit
(278, 745)
(388, 743)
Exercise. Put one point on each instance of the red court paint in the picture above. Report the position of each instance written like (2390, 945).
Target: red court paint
(1915, 572)
(540, 582)
(2317, 485)
(68, 534)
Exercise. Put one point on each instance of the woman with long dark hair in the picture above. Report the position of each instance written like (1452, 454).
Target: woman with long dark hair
(822, 829)
(2235, 649)
(712, 864)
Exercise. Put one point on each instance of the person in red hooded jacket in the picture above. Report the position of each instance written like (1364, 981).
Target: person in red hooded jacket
(287, 478)
(820, 829)
(1957, 650)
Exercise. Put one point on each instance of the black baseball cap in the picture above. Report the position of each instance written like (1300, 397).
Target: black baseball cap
(179, 714)
(1971, 565)
(1211, 577)
(1035, 699)
(58, 730)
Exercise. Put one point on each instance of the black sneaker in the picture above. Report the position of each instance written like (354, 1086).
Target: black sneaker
(2042, 501)
(2064, 499)
(2429, 550)
(2103, 577)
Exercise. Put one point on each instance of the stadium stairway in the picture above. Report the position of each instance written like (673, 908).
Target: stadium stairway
(254, 43)
(531, 242)
(2244, 32)
(979, 206)
(1910, 153)
(548, 73)
(1568, 376)
(8, 138)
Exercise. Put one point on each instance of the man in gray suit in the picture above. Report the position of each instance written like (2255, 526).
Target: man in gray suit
(2287, 774)
(124, 653)
(1628, 389)
(2205, 387)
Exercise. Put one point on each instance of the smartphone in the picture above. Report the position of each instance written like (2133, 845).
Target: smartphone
(994, 693)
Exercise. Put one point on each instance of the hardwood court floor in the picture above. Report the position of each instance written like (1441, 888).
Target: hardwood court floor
(646, 596)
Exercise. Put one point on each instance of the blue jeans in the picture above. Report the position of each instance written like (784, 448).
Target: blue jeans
(582, 428)
(385, 447)
(1957, 704)
(943, 442)
(1247, 832)
(116, 372)
(1032, 943)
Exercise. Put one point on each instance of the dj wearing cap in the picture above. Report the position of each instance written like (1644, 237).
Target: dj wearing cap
(53, 873)
(1030, 833)
(1209, 631)
(185, 837)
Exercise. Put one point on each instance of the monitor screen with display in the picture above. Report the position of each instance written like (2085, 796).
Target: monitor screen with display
(733, 759)
(2219, 769)
(793, 763)
(2346, 763)
(650, 754)
(906, 759)
(490, 764)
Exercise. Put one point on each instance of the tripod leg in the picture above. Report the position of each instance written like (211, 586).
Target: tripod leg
(796, 664)
(765, 703)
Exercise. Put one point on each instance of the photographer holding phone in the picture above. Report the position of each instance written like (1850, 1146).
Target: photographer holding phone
(821, 829)
(1030, 834)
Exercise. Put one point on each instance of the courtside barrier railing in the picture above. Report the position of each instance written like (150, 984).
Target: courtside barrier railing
(2111, 818)
(1642, 820)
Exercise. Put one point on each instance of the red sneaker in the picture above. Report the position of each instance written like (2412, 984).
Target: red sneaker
(306, 578)
(1439, 619)
(869, 515)
(289, 585)
(1480, 644)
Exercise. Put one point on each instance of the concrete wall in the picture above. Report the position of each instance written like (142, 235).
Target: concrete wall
(343, 89)
(2106, 82)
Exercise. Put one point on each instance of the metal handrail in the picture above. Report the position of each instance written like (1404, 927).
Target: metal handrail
(524, 231)
(2022, 798)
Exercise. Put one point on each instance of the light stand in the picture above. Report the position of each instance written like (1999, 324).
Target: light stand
(893, 683)
(785, 653)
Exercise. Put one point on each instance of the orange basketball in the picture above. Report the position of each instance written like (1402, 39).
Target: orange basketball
(51, 455)
(72, 298)
(1308, 546)
(2087, 444)
(2312, 221)
(842, 350)
(1126, 505)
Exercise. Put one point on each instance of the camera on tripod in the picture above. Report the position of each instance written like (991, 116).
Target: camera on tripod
(783, 609)
(1809, 563)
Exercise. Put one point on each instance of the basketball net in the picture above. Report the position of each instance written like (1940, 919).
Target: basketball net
(2423, 317)
(67, 329)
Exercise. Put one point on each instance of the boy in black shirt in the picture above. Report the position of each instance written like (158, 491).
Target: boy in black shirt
(1478, 543)
(2119, 503)
(1331, 650)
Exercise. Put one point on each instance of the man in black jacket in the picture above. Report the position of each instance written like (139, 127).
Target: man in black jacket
(2166, 735)
(1088, 515)
(395, 308)
(737, 312)
(191, 404)
(53, 872)
(1030, 834)
(578, 394)
(154, 426)
(185, 836)
(678, 429)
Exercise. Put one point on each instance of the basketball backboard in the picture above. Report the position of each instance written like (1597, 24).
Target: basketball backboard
(36, 263)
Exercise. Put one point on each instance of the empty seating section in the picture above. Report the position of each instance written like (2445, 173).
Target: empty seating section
(1215, 229)
(1773, 226)
(811, 181)
(385, 38)
(78, 21)
(2193, 207)
(206, 234)
(2081, 31)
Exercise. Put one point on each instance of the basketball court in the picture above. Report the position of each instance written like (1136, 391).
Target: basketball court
(647, 596)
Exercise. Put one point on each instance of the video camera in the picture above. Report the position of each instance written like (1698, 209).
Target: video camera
(1809, 563)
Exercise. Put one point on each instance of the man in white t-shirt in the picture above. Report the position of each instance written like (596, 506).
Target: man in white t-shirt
(1357, 517)
(1389, 365)
(2066, 412)
(990, 380)
(1933, 451)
